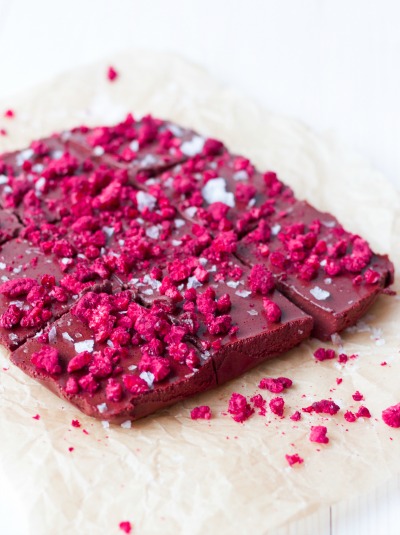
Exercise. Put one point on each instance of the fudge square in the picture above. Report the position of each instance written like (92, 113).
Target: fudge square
(142, 147)
(329, 273)
(112, 358)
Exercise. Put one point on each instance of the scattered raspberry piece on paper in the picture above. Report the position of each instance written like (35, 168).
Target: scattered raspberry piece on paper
(75, 423)
(238, 408)
(112, 75)
(322, 354)
(201, 412)
(277, 406)
(391, 416)
(296, 416)
(294, 459)
(350, 416)
(275, 385)
(363, 412)
(318, 434)
(125, 526)
(357, 396)
(36, 417)
(9, 114)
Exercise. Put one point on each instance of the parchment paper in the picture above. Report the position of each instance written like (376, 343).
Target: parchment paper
(169, 474)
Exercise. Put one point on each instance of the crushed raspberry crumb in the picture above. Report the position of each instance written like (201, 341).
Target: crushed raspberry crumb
(125, 526)
(350, 416)
(294, 459)
(318, 434)
(363, 412)
(75, 423)
(36, 417)
(3, 132)
(238, 408)
(9, 114)
(71, 449)
(201, 412)
(391, 416)
(277, 406)
(272, 311)
(357, 396)
(324, 354)
(296, 416)
(112, 74)
(275, 385)
(260, 403)
(325, 406)
(339, 380)
(46, 359)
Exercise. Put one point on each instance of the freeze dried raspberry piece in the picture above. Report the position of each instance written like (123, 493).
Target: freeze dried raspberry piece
(350, 416)
(391, 416)
(318, 434)
(363, 412)
(46, 359)
(322, 354)
(294, 459)
(275, 385)
(223, 192)
(357, 396)
(260, 403)
(225, 318)
(239, 409)
(325, 406)
(112, 74)
(142, 147)
(125, 526)
(315, 263)
(202, 412)
(109, 380)
(277, 406)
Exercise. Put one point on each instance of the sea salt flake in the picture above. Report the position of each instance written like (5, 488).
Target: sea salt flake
(132, 367)
(148, 160)
(243, 293)
(193, 146)
(149, 291)
(66, 336)
(85, 345)
(176, 243)
(328, 281)
(275, 229)
(329, 224)
(175, 129)
(108, 231)
(241, 175)
(134, 145)
(215, 191)
(153, 232)
(203, 261)
(3, 179)
(52, 335)
(148, 377)
(191, 211)
(40, 183)
(3, 265)
(252, 312)
(23, 156)
(193, 283)
(154, 283)
(319, 293)
(127, 424)
(232, 284)
(102, 407)
(179, 223)
(105, 424)
(145, 200)
(98, 151)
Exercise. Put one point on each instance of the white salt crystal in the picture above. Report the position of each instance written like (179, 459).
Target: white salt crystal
(127, 424)
(179, 223)
(98, 151)
(215, 191)
(148, 160)
(66, 336)
(145, 200)
(85, 345)
(153, 232)
(102, 407)
(134, 145)
(252, 312)
(148, 377)
(3, 179)
(105, 424)
(319, 293)
(191, 211)
(232, 284)
(193, 146)
(241, 175)
(275, 229)
(52, 335)
(243, 293)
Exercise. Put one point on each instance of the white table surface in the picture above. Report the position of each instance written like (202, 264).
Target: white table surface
(332, 63)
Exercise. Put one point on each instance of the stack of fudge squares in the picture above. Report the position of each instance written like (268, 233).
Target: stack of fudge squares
(143, 263)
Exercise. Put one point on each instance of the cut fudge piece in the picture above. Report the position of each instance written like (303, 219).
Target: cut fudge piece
(329, 273)
(110, 357)
(223, 192)
(233, 312)
(37, 287)
(143, 147)
(33, 180)
(9, 226)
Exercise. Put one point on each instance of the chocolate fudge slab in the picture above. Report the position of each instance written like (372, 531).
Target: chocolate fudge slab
(327, 272)
(223, 192)
(119, 374)
(142, 147)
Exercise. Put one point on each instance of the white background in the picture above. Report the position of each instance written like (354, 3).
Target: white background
(335, 64)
